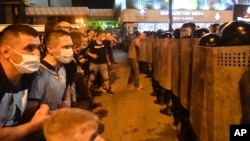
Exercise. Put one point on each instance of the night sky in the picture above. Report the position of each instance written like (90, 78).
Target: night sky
(96, 4)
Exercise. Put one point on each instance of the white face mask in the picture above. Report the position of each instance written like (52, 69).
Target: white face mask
(29, 64)
(66, 56)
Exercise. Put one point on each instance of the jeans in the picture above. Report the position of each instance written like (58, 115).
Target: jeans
(134, 73)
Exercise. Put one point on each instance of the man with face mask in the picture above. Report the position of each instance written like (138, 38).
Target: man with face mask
(19, 59)
(50, 81)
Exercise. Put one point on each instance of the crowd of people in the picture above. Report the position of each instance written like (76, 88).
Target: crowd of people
(43, 75)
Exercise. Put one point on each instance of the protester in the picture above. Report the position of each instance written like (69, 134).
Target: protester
(50, 82)
(48, 27)
(91, 35)
(133, 54)
(19, 59)
(72, 124)
(99, 61)
(80, 42)
(111, 41)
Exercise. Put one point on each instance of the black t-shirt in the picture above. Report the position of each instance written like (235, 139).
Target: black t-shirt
(13, 98)
(107, 42)
(85, 66)
(100, 50)
(83, 53)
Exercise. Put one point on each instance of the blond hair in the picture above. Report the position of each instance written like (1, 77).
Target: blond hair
(67, 121)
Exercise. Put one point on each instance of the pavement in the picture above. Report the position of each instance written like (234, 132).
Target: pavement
(131, 114)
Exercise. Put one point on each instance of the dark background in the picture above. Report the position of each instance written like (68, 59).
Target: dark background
(95, 4)
(240, 11)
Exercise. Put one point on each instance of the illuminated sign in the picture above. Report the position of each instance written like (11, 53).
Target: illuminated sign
(131, 15)
(183, 13)
(186, 15)
(190, 15)
(142, 13)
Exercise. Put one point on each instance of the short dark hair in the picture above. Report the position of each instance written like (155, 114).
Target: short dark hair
(14, 30)
(88, 30)
(100, 32)
(53, 36)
